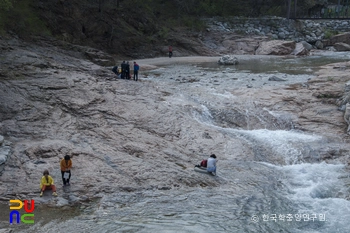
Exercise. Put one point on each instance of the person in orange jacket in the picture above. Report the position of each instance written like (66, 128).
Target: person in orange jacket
(66, 165)
(46, 183)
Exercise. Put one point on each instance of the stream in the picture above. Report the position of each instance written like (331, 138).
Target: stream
(283, 187)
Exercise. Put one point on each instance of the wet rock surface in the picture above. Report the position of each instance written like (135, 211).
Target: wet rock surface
(126, 137)
(54, 104)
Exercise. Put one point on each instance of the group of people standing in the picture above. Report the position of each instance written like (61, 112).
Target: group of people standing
(124, 71)
(47, 182)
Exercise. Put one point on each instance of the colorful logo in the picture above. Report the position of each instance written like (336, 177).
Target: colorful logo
(16, 213)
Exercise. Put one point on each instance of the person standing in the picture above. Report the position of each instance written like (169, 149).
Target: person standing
(123, 69)
(66, 165)
(46, 183)
(127, 71)
(136, 71)
(170, 51)
(211, 164)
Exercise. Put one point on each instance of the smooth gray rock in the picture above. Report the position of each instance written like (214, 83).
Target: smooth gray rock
(4, 153)
(275, 47)
(306, 45)
(342, 46)
(274, 78)
(319, 44)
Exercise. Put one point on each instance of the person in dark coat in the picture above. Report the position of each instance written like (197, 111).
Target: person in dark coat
(123, 69)
(116, 70)
(127, 70)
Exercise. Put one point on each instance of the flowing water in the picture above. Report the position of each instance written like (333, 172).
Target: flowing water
(276, 191)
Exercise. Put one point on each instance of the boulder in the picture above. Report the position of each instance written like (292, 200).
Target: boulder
(342, 46)
(276, 47)
(3, 155)
(228, 60)
(300, 50)
(275, 78)
(319, 44)
(306, 45)
(341, 38)
(241, 45)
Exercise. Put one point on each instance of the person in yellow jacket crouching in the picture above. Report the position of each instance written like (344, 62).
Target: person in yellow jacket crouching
(47, 184)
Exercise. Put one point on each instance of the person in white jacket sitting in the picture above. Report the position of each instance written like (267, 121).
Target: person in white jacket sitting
(211, 164)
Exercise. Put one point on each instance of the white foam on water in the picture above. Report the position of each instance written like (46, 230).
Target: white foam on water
(204, 117)
(206, 113)
(285, 143)
(319, 190)
(278, 137)
(226, 94)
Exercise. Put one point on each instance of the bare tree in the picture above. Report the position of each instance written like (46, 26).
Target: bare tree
(288, 8)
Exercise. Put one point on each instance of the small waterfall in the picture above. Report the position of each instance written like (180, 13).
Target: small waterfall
(278, 145)
(203, 115)
(273, 146)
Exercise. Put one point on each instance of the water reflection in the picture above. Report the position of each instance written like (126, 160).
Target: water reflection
(287, 65)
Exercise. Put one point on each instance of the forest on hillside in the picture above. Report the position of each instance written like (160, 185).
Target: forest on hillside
(29, 15)
(130, 26)
(171, 8)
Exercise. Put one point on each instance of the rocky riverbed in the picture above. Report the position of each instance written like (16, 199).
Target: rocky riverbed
(127, 138)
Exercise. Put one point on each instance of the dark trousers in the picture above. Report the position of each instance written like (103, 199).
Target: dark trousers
(170, 54)
(63, 179)
(136, 75)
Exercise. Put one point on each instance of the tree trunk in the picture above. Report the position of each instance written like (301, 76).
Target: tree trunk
(288, 10)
